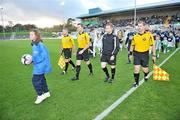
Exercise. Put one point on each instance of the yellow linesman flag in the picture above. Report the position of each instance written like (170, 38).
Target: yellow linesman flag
(61, 62)
(160, 74)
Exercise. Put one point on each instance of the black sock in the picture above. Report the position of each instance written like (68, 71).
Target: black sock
(78, 68)
(113, 70)
(71, 62)
(66, 66)
(90, 67)
(136, 78)
(146, 74)
(106, 71)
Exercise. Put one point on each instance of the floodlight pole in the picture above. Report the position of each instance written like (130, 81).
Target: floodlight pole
(62, 4)
(2, 22)
(134, 14)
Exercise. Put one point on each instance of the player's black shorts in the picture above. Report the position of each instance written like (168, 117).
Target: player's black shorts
(106, 58)
(67, 53)
(141, 58)
(84, 56)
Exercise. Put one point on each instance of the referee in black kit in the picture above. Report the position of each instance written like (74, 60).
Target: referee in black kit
(110, 48)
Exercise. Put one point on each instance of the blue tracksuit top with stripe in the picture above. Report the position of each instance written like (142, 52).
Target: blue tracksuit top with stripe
(41, 59)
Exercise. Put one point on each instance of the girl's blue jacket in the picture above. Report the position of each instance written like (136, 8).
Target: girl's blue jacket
(41, 59)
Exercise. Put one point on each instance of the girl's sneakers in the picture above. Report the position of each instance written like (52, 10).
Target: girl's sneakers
(42, 97)
(47, 94)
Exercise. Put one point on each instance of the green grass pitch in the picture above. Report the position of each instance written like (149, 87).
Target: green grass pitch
(88, 97)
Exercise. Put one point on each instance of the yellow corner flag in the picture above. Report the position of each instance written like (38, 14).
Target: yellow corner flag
(160, 74)
(61, 62)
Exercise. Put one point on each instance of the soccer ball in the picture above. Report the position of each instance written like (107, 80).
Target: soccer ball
(26, 59)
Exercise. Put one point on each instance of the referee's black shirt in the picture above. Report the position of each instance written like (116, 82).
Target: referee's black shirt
(110, 44)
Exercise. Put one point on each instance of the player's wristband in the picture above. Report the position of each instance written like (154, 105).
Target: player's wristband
(154, 55)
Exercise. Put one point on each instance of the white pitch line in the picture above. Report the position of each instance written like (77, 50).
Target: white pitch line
(129, 92)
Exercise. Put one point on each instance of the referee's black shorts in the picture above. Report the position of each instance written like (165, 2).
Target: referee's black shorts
(141, 58)
(84, 56)
(106, 58)
(67, 53)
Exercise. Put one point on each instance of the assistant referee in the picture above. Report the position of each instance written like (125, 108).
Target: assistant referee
(141, 43)
(67, 45)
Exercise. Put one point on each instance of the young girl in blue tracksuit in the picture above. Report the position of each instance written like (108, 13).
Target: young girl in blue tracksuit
(42, 65)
